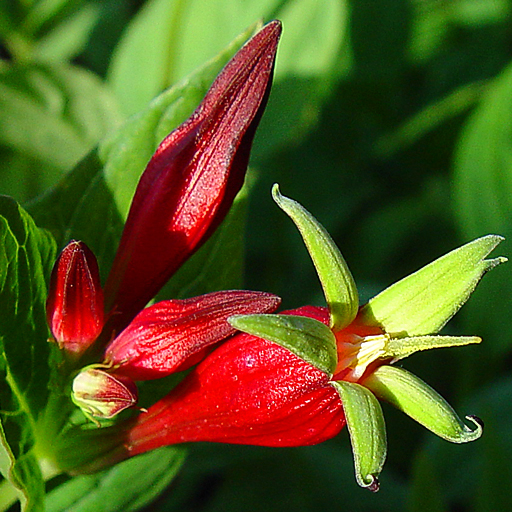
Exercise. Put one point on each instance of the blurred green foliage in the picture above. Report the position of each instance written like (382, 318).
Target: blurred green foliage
(389, 120)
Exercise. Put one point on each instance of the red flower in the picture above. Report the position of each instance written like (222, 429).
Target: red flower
(172, 335)
(296, 379)
(248, 391)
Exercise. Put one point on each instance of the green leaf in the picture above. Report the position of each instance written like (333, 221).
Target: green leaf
(367, 430)
(423, 302)
(53, 114)
(337, 282)
(306, 337)
(315, 51)
(418, 400)
(128, 486)
(399, 348)
(26, 256)
(426, 493)
(158, 30)
(91, 203)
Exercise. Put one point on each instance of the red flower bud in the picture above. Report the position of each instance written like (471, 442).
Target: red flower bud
(248, 391)
(74, 307)
(192, 179)
(173, 335)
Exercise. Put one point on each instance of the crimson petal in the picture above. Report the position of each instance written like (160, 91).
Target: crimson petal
(172, 335)
(248, 391)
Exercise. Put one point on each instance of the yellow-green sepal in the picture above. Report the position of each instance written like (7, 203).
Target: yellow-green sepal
(423, 302)
(418, 400)
(337, 282)
(306, 337)
(367, 431)
(399, 348)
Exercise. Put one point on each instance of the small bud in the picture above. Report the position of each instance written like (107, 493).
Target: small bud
(74, 307)
(103, 395)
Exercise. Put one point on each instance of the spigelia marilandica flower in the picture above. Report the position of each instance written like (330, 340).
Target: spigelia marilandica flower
(182, 196)
(297, 378)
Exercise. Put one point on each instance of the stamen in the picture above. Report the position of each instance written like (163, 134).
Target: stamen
(356, 354)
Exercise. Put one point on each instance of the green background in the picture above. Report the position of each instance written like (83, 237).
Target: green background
(390, 120)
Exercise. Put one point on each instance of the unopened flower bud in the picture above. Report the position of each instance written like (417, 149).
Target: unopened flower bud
(103, 395)
(74, 307)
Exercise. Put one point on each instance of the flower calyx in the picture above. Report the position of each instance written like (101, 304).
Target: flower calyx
(366, 341)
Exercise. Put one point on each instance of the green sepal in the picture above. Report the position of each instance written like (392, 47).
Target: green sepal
(306, 337)
(423, 302)
(418, 400)
(337, 282)
(367, 431)
(399, 348)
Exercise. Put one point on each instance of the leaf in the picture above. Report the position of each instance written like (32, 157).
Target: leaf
(367, 430)
(182, 35)
(129, 486)
(26, 256)
(69, 37)
(306, 337)
(418, 400)
(424, 301)
(53, 114)
(337, 282)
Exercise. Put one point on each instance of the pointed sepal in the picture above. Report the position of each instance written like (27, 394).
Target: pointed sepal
(307, 338)
(418, 400)
(337, 282)
(423, 302)
(367, 431)
(400, 348)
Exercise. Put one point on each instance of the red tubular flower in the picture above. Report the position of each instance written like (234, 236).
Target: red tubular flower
(192, 179)
(172, 335)
(74, 307)
(296, 379)
(248, 391)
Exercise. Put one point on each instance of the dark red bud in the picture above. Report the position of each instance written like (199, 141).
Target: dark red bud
(248, 391)
(191, 181)
(172, 335)
(74, 307)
